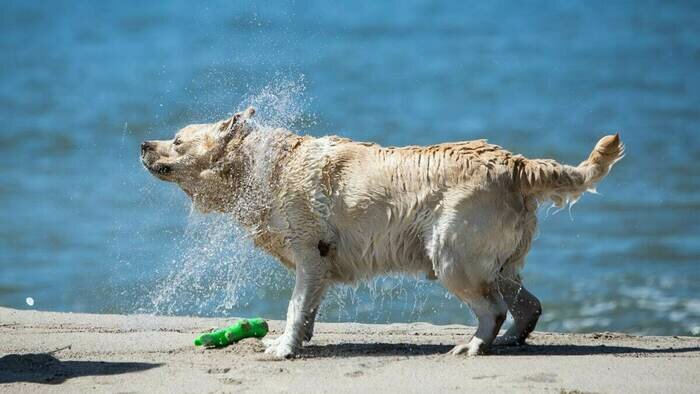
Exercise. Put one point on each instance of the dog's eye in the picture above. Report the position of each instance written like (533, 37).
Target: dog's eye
(177, 141)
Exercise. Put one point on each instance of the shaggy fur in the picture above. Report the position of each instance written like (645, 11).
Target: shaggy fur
(334, 210)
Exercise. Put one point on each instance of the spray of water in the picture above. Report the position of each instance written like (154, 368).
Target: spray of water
(281, 103)
(217, 269)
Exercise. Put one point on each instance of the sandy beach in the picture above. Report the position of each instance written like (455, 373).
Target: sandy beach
(70, 352)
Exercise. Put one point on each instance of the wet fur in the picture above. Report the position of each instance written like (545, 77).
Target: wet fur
(335, 210)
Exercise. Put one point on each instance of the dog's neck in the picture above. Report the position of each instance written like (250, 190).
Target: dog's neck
(247, 177)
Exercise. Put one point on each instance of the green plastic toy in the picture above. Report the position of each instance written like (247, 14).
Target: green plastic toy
(244, 328)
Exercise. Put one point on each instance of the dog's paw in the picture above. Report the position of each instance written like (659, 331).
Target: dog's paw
(280, 348)
(475, 347)
(508, 340)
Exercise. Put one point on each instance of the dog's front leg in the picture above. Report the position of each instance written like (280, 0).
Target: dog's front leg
(309, 330)
(306, 298)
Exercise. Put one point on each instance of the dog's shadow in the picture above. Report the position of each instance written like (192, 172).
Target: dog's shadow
(47, 369)
(406, 349)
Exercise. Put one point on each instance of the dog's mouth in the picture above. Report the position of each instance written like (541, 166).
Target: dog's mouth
(160, 170)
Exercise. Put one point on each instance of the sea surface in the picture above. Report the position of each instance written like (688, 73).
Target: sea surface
(83, 228)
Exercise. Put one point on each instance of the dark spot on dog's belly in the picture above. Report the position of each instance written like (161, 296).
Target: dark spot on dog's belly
(324, 248)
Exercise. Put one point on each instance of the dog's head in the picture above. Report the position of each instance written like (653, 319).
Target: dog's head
(191, 158)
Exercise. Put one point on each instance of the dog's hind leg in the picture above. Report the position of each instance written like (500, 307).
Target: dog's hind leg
(308, 293)
(523, 306)
(490, 310)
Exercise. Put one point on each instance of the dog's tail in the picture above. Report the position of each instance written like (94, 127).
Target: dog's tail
(563, 184)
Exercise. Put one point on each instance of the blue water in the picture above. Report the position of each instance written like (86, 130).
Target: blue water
(83, 228)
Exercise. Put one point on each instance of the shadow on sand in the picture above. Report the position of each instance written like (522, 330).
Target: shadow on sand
(47, 369)
(405, 349)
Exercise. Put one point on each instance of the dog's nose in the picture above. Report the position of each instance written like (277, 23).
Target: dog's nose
(146, 146)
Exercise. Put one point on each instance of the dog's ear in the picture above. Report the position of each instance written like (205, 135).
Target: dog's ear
(229, 129)
(236, 123)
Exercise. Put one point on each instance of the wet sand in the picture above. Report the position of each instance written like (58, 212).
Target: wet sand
(113, 353)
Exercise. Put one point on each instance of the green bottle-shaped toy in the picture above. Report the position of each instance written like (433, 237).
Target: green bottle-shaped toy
(244, 328)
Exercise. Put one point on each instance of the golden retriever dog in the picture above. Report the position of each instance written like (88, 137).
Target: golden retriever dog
(338, 211)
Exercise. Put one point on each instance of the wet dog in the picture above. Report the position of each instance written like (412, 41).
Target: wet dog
(334, 210)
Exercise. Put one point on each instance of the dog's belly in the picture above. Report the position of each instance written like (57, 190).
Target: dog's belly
(376, 241)
(355, 261)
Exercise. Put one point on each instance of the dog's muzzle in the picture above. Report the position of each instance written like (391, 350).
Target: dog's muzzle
(145, 147)
(148, 149)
